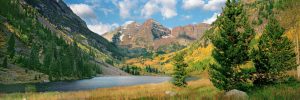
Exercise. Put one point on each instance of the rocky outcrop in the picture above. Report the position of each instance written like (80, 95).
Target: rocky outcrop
(235, 95)
(189, 33)
(170, 93)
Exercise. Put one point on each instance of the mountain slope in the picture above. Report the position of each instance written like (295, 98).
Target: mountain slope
(62, 17)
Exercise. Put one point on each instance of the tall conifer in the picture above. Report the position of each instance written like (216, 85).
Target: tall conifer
(231, 41)
(11, 46)
(179, 74)
(274, 56)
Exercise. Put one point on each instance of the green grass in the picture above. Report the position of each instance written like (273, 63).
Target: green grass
(286, 91)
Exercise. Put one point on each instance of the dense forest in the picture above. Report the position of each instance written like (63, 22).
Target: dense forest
(41, 49)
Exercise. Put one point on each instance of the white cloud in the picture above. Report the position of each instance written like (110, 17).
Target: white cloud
(212, 19)
(190, 4)
(87, 13)
(125, 7)
(101, 28)
(149, 9)
(84, 11)
(214, 5)
(167, 8)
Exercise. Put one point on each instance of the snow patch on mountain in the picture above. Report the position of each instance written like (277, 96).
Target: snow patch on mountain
(121, 37)
(167, 36)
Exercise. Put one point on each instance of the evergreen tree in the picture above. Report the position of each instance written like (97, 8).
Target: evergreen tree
(4, 64)
(11, 46)
(231, 41)
(34, 62)
(179, 74)
(48, 57)
(67, 62)
(275, 54)
(52, 70)
(116, 38)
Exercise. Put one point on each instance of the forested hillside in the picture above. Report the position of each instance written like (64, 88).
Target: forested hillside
(63, 19)
(29, 40)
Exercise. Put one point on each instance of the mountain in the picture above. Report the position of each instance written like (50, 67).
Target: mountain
(190, 33)
(135, 35)
(153, 36)
(44, 40)
(63, 19)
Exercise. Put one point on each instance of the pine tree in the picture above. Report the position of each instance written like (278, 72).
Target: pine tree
(52, 70)
(116, 38)
(11, 46)
(4, 64)
(34, 58)
(48, 57)
(179, 74)
(275, 54)
(231, 41)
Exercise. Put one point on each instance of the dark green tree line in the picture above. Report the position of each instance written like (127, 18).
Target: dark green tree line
(131, 70)
(150, 69)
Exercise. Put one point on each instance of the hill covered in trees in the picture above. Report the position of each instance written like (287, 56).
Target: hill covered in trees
(40, 39)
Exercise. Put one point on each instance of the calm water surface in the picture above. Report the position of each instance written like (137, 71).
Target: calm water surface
(85, 84)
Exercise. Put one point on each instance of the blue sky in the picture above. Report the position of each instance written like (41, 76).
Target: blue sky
(105, 15)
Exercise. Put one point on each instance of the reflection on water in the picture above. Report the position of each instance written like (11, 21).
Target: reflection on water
(86, 84)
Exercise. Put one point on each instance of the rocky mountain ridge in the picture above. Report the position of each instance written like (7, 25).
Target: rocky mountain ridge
(153, 35)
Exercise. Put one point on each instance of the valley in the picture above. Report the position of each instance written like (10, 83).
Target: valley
(48, 51)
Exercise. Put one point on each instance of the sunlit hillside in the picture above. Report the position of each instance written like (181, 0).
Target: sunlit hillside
(198, 54)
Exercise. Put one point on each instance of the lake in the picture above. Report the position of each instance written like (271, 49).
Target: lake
(85, 84)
